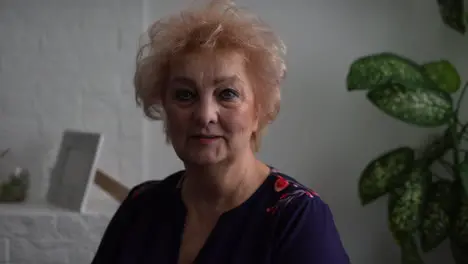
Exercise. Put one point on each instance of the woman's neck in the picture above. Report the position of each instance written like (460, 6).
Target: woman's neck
(219, 188)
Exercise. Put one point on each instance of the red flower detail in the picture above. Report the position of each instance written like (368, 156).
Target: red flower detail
(272, 210)
(281, 184)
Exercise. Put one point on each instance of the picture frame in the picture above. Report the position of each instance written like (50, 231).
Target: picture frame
(74, 170)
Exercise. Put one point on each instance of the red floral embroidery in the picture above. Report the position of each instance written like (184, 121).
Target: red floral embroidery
(281, 184)
(272, 209)
(299, 190)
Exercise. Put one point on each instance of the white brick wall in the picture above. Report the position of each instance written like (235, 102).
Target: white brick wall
(48, 238)
(68, 64)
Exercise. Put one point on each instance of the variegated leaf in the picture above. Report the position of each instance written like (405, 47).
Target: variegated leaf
(372, 71)
(452, 13)
(435, 223)
(417, 106)
(405, 203)
(437, 146)
(444, 75)
(460, 225)
(409, 252)
(380, 175)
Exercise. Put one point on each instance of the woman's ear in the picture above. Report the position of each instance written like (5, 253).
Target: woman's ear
(256, 122)
(154, 110)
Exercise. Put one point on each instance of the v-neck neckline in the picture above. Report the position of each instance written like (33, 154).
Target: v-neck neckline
(182, 215)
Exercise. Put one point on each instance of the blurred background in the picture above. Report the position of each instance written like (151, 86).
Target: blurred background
(69, 65)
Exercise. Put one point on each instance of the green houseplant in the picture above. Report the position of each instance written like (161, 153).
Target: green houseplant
(453, 14)
(424, 208)
(15, 187)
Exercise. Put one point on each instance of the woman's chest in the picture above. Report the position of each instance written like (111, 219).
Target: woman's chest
(194, 238)
(232, 240)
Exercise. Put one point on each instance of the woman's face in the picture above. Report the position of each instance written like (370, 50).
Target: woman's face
(209, 106)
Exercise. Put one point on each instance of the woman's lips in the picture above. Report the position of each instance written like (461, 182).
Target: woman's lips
(205, 140)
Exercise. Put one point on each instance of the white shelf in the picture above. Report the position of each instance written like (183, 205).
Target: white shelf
(30, 208)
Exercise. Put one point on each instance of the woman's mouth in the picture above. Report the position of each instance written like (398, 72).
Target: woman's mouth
(206, 139)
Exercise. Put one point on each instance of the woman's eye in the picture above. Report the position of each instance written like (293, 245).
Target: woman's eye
(184, 95)
(228, 94)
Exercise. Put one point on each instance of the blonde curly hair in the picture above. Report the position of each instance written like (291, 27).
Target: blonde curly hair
(218, 25)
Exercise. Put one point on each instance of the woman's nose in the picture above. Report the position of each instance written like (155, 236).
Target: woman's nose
(206, 112)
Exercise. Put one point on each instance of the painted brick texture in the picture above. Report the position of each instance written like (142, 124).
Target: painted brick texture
(50, 237)
(69, 64)
(66, 64)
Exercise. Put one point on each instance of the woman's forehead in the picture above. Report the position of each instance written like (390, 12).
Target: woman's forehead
(222, 66)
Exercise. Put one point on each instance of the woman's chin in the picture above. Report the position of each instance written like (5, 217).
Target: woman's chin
(204, 159)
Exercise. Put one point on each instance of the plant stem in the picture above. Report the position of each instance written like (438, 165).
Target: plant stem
(447, 165)
(464, 130)
(456, 157)
(455, 136)
(463, 134)
(460, 99)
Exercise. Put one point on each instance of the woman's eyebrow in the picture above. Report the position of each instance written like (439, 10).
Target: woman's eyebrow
(184, 80)
(226, 79)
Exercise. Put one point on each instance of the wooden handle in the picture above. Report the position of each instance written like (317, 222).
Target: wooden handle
(114, 188)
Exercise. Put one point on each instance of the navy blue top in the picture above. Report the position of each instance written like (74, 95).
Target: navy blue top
(282, 222)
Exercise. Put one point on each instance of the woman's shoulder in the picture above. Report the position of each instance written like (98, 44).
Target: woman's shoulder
(304, 219)
(167, 184)
(291, 195)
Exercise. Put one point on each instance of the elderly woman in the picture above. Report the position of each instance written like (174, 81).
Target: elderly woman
(213, 76)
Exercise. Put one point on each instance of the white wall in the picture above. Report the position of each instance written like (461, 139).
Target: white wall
(69, 64)
(324, 135)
